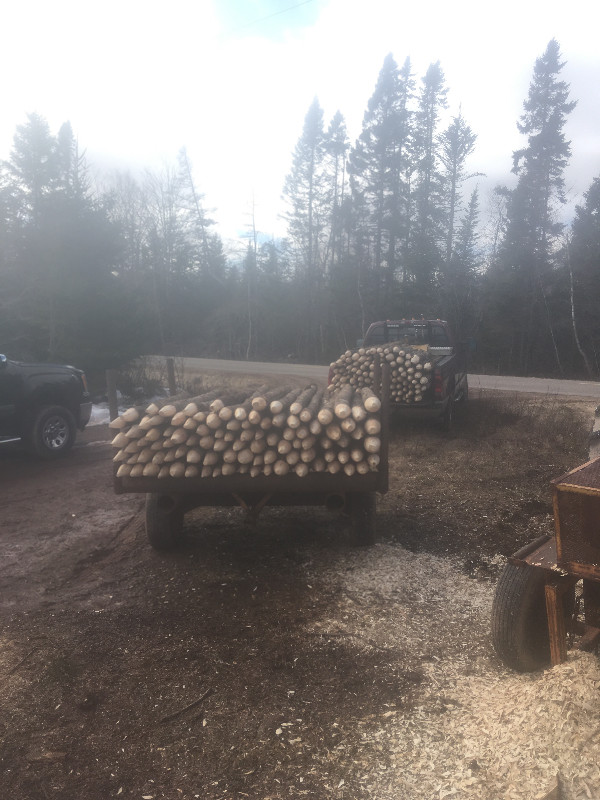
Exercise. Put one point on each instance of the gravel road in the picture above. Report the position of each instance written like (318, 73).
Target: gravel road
(551, 386)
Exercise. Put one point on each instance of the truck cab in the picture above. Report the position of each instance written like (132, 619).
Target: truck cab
(435, 334)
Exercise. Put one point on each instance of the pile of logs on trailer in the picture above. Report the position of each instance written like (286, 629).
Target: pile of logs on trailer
(410, 370)
(269, 432)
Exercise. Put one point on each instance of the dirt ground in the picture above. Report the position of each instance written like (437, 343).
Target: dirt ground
(262, 662)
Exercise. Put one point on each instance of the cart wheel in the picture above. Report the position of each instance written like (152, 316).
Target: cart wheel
(519, 618)
(164, 522)
(362, 512)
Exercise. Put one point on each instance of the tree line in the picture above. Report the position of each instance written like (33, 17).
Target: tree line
(390, 226)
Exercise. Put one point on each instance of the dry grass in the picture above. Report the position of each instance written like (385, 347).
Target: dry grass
(147, 376)
(485, 488)
(231, 381)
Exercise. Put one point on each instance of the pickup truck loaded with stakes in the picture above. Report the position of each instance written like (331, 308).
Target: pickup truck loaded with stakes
(428, 367)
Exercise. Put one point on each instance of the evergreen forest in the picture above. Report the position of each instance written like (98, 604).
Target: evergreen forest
(96, 273)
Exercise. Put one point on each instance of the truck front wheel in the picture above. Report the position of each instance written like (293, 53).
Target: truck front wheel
(164, 522)
(52, 432)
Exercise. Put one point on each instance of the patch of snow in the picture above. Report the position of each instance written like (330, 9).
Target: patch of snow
(100, 414)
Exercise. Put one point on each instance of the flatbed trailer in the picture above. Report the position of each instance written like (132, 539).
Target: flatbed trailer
(169, 499)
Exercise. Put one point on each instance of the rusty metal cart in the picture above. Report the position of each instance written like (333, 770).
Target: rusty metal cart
(549, 592)
(169, 499)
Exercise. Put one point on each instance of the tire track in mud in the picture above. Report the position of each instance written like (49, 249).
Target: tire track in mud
(58, 517)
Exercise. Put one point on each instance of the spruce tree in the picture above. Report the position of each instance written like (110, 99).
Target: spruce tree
(32, 169)
(583, 260)
(61, 250)
(427, 218)
(72, 177)
(196, 222)
(308, 217)
(303, 191)
(378, 167)
(457, 143)
(336, 149)
(526, 256)
(460, 282)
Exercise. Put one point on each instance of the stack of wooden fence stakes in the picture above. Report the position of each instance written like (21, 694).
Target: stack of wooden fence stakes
(410, 370)
(268, 432)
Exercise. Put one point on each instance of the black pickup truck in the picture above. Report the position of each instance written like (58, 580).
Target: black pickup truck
(43, 405)
(449, 384)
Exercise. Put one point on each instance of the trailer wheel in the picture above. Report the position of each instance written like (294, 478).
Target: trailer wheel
(519, 619)
(164, 522)
(362, 512)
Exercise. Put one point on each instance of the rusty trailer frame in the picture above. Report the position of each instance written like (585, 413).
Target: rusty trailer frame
(570, 556)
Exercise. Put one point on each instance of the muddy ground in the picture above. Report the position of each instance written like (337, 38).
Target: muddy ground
(257, 662)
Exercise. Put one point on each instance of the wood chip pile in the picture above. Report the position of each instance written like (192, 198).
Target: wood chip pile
(474, 730)
(277, 431)
(410, 370)
(509, 736)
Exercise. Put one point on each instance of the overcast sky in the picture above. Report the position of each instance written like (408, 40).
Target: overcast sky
(232, 80)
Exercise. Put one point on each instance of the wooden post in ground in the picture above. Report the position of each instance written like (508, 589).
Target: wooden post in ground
(555, 590)
(111, 391)
(171, 376)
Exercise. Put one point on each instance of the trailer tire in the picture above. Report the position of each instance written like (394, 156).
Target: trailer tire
(362, 512)
(164, 522)
(519, 618)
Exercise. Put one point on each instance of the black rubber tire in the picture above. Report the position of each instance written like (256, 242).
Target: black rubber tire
(464, 398)
(519, 618)
(52, 432)
(362, 512)
(461, 407)
(449, 416)
(164, 522)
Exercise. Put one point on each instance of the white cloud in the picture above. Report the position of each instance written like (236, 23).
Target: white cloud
(138, 79)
